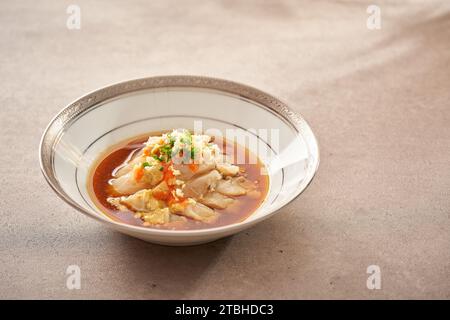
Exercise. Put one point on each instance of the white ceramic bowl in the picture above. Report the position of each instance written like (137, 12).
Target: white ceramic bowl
(87, 127)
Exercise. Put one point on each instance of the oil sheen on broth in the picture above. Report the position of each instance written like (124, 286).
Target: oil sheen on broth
(140, 182)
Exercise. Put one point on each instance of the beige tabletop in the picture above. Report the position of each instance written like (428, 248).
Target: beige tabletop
(377, 99)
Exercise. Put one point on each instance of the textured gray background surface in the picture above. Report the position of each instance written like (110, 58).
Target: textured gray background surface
(377, 100)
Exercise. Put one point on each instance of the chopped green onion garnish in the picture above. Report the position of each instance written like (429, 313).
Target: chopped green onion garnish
(193, 152)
